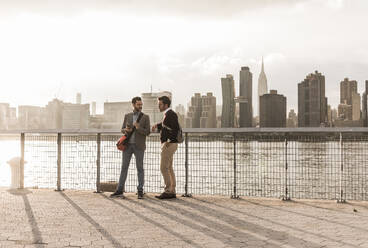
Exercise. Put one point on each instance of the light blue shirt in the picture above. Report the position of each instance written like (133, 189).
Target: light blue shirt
(135, 117)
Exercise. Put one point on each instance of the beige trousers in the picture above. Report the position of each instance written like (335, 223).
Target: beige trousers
(167, 155)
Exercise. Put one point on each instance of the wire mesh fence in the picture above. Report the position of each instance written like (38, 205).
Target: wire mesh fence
(320, 165)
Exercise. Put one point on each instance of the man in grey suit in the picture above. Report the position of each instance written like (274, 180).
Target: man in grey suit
(136, 146)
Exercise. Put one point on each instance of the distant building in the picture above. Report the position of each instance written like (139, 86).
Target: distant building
(356, 115)
(202, 112)
(333, 115)
(150, 105)
(329, 116)
(262, 84)
(272, 110)
(180, 109)
(349, 96)
(114, 113)
(31, 117)
(94, 107)
(79, 98)
(245, 97)
(228, 101)
(345, 111)
(208, 114)
(292, 120)
(54, 114)
(348, 123)
(75, 116)
(312, 102)
(365, 106)
(4, 116)
(347, 88)
(193, 119)
(96, 122)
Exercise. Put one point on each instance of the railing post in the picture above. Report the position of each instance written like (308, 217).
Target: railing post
(21, 172)
(58, 184)
(341, 195)
(186, 194)
(234, 195)
(98, 164)
(286, 197)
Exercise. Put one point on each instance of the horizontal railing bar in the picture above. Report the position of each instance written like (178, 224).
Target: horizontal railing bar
(281, 131)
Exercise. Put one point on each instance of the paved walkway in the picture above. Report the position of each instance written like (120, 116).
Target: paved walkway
(45, 218)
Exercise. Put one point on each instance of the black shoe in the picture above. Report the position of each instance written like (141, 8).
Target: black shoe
(165, 196)
(117, 194)
(140, 194)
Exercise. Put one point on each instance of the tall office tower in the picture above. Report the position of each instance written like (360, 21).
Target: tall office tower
(349, 96)
(94, 108)
(262, 85)
(347, 88)
(292, 120)
(272, 110)
(312, 102)
(245, 98)
(355, 106)
(228, 101)
(208, 115)
(194, 112)
(365, 106)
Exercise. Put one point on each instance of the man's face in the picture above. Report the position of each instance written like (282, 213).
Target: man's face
(162, 106)
(138, 106)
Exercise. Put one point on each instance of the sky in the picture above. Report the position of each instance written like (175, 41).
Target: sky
(113, 50)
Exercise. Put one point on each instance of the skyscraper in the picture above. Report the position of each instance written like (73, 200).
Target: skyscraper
(208, 115)
(228, 101)
(93, 108)
(365, 106)
(262, 84)
(272, 110)
(312, 102)
(292, 120)
(347, 88)
(349, 96)
(79, 98)
(193, 119)
(245, 98)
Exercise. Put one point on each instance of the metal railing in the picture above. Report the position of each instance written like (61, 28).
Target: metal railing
(311, 163)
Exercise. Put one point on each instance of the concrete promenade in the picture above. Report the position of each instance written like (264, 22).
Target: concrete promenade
(45, 218)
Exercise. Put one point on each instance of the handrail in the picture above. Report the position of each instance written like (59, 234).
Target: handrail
(202, 130)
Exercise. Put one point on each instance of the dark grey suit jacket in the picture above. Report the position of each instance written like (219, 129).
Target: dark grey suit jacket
(141, 132)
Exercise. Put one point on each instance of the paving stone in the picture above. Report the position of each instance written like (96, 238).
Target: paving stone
(45, 218)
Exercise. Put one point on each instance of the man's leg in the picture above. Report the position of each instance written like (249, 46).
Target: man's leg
(164, 167)
(127, 155)
(139, 157)
(171, 150)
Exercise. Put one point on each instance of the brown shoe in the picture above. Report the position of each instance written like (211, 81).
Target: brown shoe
(163, 196)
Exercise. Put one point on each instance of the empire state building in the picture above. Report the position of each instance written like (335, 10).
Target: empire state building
(262, 84)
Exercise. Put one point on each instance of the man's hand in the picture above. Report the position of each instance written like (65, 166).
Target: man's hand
(154, 127)
(136, 124)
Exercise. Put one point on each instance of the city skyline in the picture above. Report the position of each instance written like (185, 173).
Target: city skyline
(175, 46)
